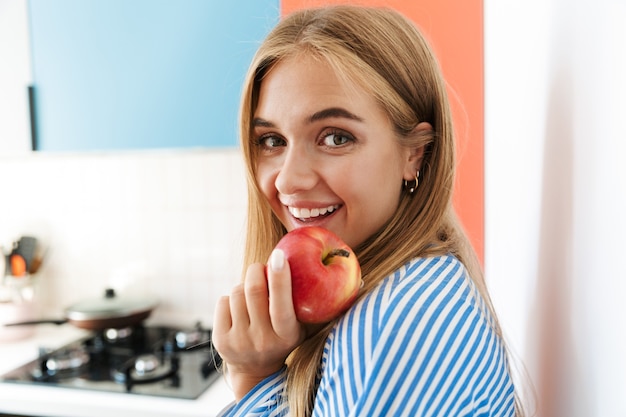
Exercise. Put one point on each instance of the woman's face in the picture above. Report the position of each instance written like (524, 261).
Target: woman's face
(328, 155)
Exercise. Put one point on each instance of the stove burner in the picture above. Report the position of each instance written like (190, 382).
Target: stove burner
(113, 334)
(137, 360)
(73, 359)
(188, 338)
(66, 363)
(147, 368)
(146, 364)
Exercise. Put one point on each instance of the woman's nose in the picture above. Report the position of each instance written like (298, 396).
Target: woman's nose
(297, 172)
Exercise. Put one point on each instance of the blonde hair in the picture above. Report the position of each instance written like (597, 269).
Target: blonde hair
(384, 53)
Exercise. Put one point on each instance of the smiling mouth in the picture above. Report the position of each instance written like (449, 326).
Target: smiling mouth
(313, 213)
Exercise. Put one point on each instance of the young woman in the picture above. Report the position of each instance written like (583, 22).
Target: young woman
(345, 124)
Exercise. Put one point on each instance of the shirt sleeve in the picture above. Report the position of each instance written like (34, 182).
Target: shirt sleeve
(264, 400)
(424, 345)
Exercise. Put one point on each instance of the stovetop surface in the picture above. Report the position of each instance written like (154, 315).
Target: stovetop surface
(153, 361)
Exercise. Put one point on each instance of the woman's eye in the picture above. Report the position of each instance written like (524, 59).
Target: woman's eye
(271, 142)
(335, 139)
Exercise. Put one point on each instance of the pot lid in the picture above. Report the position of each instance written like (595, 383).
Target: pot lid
(108, 307)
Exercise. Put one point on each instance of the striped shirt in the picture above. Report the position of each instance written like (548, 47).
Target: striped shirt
(420, 344)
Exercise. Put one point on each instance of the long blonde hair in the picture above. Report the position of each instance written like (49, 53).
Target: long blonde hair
(384, 53)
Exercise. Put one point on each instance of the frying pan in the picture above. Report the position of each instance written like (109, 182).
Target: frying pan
(110, 311)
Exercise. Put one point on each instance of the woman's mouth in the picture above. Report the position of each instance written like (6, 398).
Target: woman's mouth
(304, 214)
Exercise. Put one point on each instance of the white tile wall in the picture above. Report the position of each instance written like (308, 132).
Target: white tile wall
(166, 223)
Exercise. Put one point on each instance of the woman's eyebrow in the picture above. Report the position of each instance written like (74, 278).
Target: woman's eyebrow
(334, 112)
(257, 121)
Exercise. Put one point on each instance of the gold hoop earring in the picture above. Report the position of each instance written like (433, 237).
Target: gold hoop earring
(411, 189)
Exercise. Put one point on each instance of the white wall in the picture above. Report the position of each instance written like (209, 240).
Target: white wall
(165, 223)
(556, 196)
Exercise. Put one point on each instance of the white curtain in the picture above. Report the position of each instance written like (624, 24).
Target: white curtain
(555, 239)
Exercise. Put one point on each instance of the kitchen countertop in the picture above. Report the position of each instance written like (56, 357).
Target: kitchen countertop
(31, 400)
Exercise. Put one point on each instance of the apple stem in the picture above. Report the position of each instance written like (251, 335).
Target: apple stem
(339, 252)
(336, 252)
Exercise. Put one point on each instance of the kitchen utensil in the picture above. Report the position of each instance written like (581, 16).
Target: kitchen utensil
(110, 311)
(26, 247)
(18, 265)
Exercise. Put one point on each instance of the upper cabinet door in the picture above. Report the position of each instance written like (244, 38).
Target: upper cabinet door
(138, 74)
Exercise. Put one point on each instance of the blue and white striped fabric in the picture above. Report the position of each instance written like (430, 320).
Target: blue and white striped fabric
(420, 344)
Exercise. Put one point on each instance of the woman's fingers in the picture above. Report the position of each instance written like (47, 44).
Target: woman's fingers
(257, 297)
(222, 322)
(279, 283)
(256, 325)
(238, 308)
(281, 311)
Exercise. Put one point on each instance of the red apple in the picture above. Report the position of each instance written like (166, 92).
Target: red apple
(325, 273)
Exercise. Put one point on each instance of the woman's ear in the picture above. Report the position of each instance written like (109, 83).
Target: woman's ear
(416, 154)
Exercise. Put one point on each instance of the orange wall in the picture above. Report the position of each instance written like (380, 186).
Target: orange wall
(455, 30)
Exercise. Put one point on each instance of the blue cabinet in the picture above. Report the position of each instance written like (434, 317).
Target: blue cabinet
(138, 74)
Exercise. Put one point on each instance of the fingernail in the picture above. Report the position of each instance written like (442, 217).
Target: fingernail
(277, 260)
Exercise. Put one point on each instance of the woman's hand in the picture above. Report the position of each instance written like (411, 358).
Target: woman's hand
(255, 329)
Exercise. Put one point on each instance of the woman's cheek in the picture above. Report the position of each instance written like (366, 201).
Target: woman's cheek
(266, 180)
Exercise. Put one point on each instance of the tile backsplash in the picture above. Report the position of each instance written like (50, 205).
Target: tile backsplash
(164, 223)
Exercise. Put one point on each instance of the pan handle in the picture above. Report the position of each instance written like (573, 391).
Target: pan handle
(31, 322)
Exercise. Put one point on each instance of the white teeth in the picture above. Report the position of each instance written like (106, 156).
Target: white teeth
(305, 213)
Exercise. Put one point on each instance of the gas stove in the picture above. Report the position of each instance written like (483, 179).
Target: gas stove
(145, 360)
